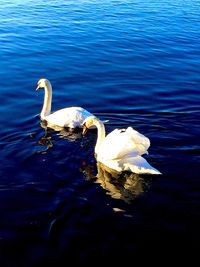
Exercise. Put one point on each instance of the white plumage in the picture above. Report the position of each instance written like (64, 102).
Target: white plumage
(122, 149)
(71, 117)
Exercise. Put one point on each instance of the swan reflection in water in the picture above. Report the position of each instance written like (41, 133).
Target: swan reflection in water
(125, 186)
(46, 139)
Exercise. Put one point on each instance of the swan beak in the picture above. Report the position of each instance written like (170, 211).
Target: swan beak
(84, 129)
(37, 87)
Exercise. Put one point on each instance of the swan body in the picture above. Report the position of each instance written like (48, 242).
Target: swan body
(122, 149)
(70, 117)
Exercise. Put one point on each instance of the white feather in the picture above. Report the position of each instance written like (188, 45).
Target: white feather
(122, 149)
(71, 117)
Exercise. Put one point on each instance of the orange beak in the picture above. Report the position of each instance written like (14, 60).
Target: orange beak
(84, 129)
(37, 87)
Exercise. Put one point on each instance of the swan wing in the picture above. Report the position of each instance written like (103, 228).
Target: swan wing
(133, 164)
(122, 142)
(71, 117)
(137, 165)
(142, 142)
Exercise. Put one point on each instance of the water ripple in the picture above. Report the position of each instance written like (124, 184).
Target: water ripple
(133, 63)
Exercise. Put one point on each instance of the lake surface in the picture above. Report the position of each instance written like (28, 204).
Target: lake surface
(135, 63)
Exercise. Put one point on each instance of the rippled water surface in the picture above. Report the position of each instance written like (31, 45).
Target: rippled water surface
(135, 63)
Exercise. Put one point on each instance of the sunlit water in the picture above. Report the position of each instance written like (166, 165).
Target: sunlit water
(135, 63)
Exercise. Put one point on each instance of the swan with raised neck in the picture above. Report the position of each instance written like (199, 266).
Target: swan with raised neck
(68, 117)
(46, 109)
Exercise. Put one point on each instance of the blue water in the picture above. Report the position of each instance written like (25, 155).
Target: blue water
(135, 63)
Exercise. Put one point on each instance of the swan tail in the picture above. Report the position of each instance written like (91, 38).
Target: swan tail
(139, 165)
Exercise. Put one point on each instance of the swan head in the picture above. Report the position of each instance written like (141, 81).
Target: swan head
(87, 123)
(42, 83)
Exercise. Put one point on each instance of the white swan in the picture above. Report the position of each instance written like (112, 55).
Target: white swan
(70, 117)
(121, 149)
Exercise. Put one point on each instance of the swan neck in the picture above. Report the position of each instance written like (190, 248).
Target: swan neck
(100, 135)
(46, 110)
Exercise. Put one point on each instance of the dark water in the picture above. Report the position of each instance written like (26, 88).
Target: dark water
(135, 63)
